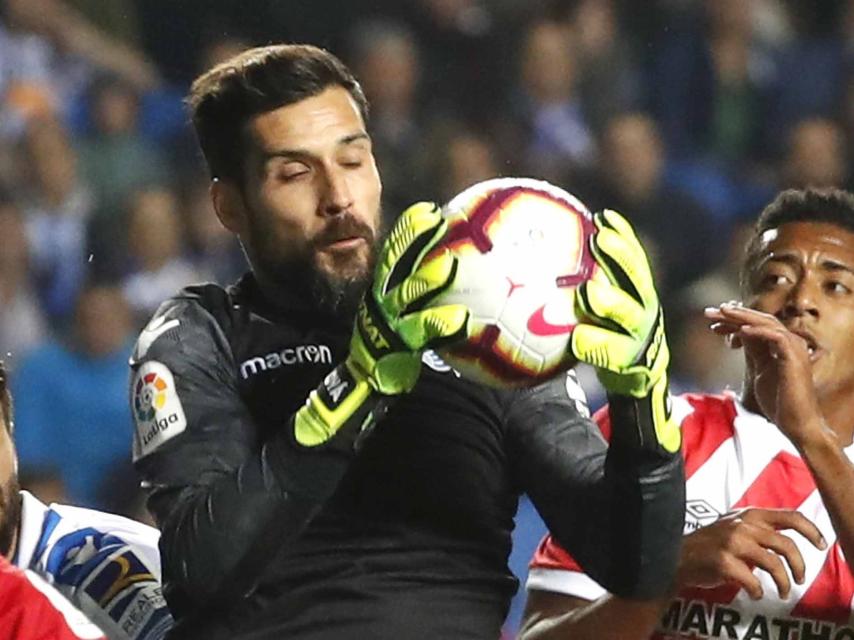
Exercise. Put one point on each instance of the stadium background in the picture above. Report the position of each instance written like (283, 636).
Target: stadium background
(686, 115)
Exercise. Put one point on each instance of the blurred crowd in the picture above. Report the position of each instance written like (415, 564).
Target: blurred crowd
(686, 115)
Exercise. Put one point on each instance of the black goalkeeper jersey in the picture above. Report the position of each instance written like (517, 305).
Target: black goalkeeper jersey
(407, 534)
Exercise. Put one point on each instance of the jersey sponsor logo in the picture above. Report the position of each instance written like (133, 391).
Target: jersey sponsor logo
(157, 409)
(699, 513)
(698, 619)
(100, 568)
(302, 354)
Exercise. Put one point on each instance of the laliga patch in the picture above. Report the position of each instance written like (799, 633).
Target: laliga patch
(157, 410)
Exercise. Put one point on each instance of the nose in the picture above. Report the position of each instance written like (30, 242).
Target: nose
(801, 300)
(337, 197)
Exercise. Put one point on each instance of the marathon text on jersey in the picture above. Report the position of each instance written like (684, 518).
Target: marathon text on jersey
(699, 619)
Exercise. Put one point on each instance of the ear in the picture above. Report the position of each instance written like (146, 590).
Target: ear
(228, 204)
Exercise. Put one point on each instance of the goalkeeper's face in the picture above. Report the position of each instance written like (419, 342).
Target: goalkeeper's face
(309, 207)
(804, 275)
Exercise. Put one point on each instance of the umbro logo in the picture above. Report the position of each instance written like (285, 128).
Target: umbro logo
(699, 513)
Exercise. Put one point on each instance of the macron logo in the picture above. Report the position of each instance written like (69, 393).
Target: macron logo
(307, 353)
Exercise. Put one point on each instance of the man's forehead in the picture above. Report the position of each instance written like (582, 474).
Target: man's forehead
(812, 238)
(326, 118)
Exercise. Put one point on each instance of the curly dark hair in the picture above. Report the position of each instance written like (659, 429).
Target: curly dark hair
(833, 206)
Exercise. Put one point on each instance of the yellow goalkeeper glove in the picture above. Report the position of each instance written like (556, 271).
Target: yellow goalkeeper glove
(392, 329)
(622, 332)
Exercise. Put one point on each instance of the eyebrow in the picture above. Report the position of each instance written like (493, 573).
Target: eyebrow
(792, 261)
(305, 153)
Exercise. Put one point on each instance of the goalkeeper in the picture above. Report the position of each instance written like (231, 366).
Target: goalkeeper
(314, 480)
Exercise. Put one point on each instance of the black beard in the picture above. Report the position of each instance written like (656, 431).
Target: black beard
(10, 514)
(339, 297)
(333, 295)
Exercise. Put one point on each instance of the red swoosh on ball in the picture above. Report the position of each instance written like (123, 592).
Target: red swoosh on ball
(539, 326)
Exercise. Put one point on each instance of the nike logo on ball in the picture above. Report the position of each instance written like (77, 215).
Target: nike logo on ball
(539, 326)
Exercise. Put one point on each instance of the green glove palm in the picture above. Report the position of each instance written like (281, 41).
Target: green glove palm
(622, 328)
(392, 329)
(392, 326)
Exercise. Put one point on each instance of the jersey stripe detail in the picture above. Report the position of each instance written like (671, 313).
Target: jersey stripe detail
(829, 596)
(785, 483)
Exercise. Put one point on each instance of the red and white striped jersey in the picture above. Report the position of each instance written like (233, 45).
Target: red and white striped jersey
(31, 609)
(734, 459)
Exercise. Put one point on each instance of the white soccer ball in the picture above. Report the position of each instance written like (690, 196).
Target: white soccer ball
(523, 248)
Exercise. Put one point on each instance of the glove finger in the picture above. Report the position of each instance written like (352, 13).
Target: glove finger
(612, 308)
(429, 281)
(602, 348)
(616, 221)
(417, 230)
(624, 261)
(435, 327)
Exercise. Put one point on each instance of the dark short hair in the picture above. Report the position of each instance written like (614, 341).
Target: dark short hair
(223, 99)
(5, 399)
(833, 206)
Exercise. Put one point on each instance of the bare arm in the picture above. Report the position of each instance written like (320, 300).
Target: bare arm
(555, 616)
(783, 388)
(70, 30)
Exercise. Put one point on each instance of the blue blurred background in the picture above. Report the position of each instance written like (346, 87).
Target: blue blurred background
(686, 115)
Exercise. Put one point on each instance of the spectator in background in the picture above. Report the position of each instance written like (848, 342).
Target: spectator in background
(388, 62)
(702, 362)
(609, 81)
(214, 253)
(106, 566)
(465, 156)
(22, 325)
(157, 268)
(712, 84)
(811, 68)
(631, 180)
(71, 399)
(548, 126)
(57, 208)
(116, 158)
(816, 155)
(48, 54)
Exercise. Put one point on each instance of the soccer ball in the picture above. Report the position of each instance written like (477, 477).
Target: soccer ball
(523, 248)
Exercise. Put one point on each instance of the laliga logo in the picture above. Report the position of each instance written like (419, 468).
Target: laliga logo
(149, 398)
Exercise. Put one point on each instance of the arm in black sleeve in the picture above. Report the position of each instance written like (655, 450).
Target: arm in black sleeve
(225, 501)
(618, 510)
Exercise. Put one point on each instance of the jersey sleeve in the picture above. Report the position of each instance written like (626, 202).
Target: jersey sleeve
(617, 510)
(224, 499)
(553, 569)
(108, 568)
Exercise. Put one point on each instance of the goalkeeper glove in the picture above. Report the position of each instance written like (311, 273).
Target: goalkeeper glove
(392, 328)
(622, 334)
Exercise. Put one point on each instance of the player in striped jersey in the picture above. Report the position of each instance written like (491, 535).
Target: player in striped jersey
(105, 565)
(770, 481)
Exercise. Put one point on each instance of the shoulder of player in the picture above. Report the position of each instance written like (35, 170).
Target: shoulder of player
(698, 410)
(199, 317)
(126, 529)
